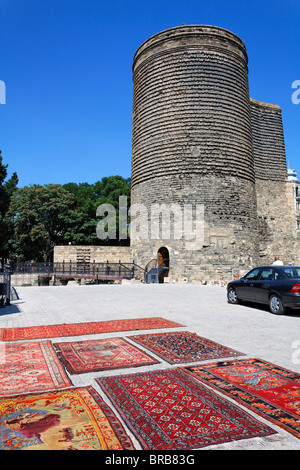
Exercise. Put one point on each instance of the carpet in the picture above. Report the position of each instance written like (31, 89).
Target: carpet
(71, 419)
(181, 346)
(169, 410)
(269, 390)
(88, 328)
(29, 367)
(101, 354)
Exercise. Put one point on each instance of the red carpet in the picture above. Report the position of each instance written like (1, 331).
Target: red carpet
(170, 410)
(72, 419)
(90, 328)
(101, 354)
(269, 390)
(29, 367)
(181, 346)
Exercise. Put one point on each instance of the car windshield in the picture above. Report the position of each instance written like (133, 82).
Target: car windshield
(292, 272)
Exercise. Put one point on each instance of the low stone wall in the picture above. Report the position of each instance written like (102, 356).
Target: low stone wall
(88, 254)
(24, 279)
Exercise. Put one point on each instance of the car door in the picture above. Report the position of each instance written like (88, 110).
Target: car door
(247, 286)
(264, 284)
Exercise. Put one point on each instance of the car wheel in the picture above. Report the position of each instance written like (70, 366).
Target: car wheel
(232, 297)
(276, 305)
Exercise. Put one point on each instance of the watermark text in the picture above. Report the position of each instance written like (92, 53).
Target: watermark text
(2, 92)
(296, 353)
(155, 222)
(296, 93)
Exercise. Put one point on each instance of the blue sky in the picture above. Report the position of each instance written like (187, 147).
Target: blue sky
(67, 65)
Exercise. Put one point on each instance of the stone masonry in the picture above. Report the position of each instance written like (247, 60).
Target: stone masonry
(89, 254)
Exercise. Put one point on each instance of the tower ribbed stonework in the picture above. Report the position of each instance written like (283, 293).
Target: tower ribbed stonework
(192, 143)
(191, 105)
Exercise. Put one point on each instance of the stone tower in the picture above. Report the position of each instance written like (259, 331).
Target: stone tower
(195, 155)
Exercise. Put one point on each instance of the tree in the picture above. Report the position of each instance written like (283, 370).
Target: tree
(40, 217)
(82, 221)
(7, 189)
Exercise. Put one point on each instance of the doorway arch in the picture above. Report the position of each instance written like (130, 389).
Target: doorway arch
(163, 263)
(163, 257)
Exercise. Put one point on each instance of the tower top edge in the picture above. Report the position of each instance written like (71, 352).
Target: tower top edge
(192, 29)
(263, 105)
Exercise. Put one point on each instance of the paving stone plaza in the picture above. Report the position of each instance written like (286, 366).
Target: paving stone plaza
(203, 310)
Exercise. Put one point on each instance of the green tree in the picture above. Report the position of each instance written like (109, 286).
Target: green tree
(108, 191)
(82, 220)
(40, 217)
(7, 189)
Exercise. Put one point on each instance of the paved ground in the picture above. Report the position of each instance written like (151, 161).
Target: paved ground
(202, 309)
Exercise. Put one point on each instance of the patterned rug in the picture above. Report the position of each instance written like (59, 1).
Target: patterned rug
(29, 367)
(267, 389)
(90, 328)
(182, 346)
(101, 354)
(73, 419)
(170, 410)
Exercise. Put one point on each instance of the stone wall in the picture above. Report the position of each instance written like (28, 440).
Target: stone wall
(277, 229)
(88, 254)
(226, 244)
(277, 233)
(24, 280)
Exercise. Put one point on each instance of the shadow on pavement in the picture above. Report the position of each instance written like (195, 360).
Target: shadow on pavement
(265, 308)
(9, 309)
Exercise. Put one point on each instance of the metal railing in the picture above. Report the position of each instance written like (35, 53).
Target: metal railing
(70, 268)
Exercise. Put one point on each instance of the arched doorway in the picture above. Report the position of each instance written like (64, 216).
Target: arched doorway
(163, 263)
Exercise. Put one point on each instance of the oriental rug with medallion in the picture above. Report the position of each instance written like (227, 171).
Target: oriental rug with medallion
(101, 354)
(70, 419)
(269, 390)
(81, 329)
(169, 410)
(181, 346)
(29, 367)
